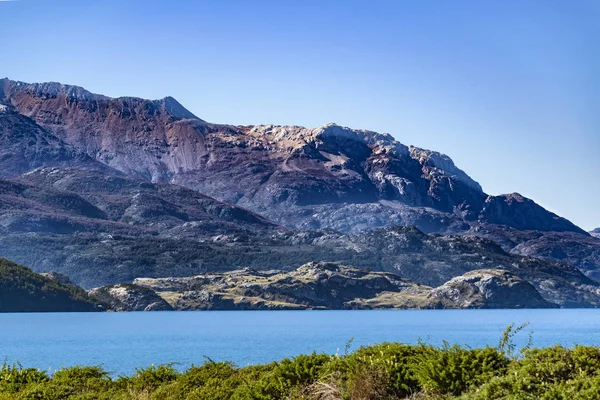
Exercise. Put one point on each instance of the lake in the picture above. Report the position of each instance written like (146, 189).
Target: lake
(120, 342)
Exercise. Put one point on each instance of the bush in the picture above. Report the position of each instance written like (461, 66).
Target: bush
(149, 379)
(454, 369)
(548, 373)
(285, 377)
(386, 364)
(14, 378)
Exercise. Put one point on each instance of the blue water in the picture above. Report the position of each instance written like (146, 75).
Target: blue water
(120, 342)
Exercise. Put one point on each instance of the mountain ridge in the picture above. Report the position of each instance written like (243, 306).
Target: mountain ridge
(282, 172)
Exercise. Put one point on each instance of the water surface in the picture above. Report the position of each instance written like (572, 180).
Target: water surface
(120, 342)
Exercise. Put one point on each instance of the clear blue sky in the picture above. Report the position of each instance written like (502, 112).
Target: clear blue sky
(509, 89)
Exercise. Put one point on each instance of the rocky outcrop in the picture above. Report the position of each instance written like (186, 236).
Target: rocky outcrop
(313, 285)
(128, 297)
(487, 288)
(569, 248)
(335, 286)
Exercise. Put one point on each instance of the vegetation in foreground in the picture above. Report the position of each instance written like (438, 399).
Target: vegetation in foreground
(380, 372)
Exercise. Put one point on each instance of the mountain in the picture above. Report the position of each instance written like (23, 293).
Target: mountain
(595, 232)
(321, 178)
(22, 290)
(290, 174)
(107, 190)
(336, 286)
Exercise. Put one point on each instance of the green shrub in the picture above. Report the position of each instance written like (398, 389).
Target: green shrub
(454, 369)
(554, 373)
(286, 375)
(387, 364)
(13, 378)
(150, 379)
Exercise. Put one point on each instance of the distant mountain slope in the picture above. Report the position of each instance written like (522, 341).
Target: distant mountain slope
(70, 201)
(596, 232)
(290, 174)
(96, 260)
(22, 290)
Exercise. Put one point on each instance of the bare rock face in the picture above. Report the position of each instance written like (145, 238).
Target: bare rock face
(259, 167)
(127, 297)
(24, 146)
(488, 288)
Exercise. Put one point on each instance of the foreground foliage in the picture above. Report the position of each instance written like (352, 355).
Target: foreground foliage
(384, 371)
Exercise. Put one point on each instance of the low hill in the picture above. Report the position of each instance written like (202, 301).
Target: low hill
(22, 290)
(335, 286)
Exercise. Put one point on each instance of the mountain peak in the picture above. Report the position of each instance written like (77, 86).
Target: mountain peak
(442, 162)
(50, 90)
(175, 108)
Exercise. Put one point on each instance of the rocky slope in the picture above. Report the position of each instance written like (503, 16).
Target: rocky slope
(24, 145)
(22, 290)
(128, 297)
(335, 286)
(595, 232)
(581, 251)
(71, 201)
(488, 288)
